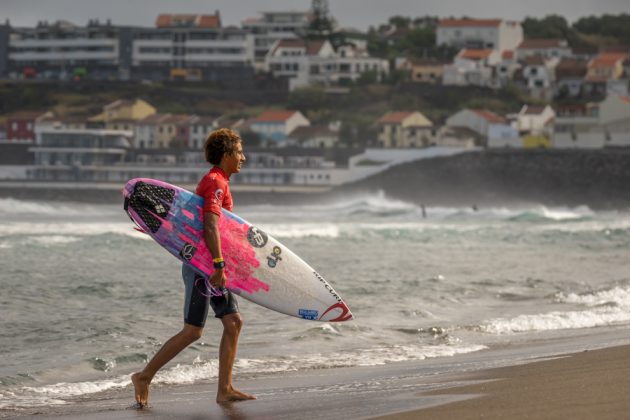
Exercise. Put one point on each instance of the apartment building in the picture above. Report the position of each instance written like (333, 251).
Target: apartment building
(495, 34)
(179, 47)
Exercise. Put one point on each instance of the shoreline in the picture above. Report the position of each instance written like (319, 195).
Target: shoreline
(589, 369)
(591, 384)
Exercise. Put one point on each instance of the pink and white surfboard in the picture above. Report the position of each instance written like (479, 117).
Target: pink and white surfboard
(258, 267)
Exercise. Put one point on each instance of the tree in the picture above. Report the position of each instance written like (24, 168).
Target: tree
(400, 22)
(608, 25)
(551, 26)
(322, 24)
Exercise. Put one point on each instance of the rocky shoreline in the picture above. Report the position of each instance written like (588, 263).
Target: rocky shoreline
(599, 179)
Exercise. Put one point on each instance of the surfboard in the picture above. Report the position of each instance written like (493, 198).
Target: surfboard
(258, 267)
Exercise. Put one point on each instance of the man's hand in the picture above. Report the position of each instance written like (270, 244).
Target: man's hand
(217, 279)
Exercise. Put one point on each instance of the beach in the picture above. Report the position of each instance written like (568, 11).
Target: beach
(551, 379)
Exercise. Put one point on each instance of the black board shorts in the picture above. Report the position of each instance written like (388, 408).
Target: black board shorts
(198, 298)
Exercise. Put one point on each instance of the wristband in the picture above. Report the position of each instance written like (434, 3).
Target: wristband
(217, 260)
(219, 265)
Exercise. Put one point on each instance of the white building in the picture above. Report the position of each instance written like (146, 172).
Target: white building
(505, 68)
(496, 34)
(271, 27)
(594, 126)
(194, 49)
(535, 120)
(63, 50)
(471, 67)
(548, 48)
(316, 62)
(199, 129)
(540, 75)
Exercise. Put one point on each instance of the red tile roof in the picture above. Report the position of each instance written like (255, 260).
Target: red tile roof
(275, 116)
(489, 116)
(625, 99)
(507, 54)
(396, 117)
(469, 22)
(607, 59)
(475, 54)
(199, 21)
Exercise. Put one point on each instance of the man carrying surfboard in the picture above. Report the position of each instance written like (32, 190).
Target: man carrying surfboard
(223, 149)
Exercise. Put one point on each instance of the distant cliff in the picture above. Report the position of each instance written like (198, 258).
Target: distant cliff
(599, 179)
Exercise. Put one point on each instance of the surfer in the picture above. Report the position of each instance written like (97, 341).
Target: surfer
(223, 149)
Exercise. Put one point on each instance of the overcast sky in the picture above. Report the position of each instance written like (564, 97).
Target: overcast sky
(359, 14)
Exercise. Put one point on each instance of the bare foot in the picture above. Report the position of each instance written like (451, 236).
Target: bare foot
(233, 395)
(141, 386)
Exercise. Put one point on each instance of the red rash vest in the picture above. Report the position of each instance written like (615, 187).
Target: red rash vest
(214, 187)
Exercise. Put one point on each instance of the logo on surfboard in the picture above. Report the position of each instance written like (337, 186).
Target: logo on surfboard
(273, 259)
(256, 237)
(187, 252)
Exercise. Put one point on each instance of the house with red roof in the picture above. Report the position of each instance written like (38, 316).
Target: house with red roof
(606, 73)
(495, 34)
(405, 129)
(274, 126)
(495, 130)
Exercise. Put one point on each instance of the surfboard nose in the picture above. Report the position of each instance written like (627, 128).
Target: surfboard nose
(339, 312)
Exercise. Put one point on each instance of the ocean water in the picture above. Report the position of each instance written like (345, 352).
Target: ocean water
(85, 300)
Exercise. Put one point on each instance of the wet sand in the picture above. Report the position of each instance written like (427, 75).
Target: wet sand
(569, 377)
(587, 385)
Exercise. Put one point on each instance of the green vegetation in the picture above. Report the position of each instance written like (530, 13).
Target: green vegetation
(592, 31)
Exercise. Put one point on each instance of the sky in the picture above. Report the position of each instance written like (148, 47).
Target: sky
(359, 14)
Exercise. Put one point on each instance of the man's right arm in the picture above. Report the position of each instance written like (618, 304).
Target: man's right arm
(213, 243)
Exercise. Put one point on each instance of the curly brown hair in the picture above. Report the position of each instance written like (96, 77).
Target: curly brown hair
(220, 142)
